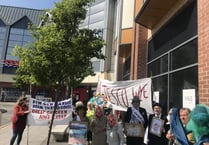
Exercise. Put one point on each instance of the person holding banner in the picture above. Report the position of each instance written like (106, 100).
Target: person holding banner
(80, 122)
(19, 119)
(136, 115)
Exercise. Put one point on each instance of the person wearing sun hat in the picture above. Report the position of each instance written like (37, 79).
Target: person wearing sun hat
(136, 115)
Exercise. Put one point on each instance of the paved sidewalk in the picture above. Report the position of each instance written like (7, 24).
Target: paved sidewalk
(34, 135)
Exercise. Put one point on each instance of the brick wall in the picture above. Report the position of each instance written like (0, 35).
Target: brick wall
(142, 52)
(139, 53)
(203, 50)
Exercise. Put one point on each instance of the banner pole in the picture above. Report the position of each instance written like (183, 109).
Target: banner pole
(27, 134)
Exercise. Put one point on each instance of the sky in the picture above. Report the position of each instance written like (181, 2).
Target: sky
(34, 4)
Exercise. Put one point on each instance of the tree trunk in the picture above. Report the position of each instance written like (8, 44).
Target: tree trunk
(67, 91)
(52, 119)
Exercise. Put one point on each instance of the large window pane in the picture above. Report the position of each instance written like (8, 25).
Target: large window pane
(97, 8)
(160, 85)
(97, 17)
(17, 31)
(159, 66)
(96, 66)
(185, 79)
(185, 55)
(20, 37)
(2, 38)
(97, 25)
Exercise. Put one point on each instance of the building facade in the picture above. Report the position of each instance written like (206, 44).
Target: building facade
(164, 40)
(13, 31)
(176, 50)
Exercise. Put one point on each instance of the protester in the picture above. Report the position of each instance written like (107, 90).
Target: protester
(199, 124)
(77, 105)
(156, 125)
(167, 128)
(99, 126)
(114, 131)
(178, 133)
(81, 114)
(136, 115)
(90, 114)
(81, 117)
(19, 119)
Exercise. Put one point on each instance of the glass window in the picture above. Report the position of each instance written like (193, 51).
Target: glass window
(126, 68)
(16, 37)
(2, 38)
(2, 29)
(97, 17)
(20, 37)
(27, 39)
(97, 8)
(13, 43)
(184, 55)
(96, 66)
(97, 25)
(26, 32)
(185, 79)
(16, 31)
(158, 67)
(160, 85)
(2, 35)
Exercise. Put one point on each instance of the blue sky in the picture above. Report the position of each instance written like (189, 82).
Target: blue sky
(35, 4)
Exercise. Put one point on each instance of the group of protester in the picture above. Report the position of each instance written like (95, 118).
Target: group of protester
(179, 127)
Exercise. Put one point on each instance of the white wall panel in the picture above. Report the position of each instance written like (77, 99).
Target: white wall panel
(128, 14)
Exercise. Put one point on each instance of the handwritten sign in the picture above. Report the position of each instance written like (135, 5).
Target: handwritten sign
(41, 112)
(78, 133)
(189, 98)
(121, 93)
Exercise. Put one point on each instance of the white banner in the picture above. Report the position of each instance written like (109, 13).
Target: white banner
(41, 112)
(120, 93)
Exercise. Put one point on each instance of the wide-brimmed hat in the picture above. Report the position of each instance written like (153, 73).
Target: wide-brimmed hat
(136, 99)
(157, 104)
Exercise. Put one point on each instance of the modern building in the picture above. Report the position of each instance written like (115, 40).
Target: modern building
(176, 49)
(100, 15)
(164, 40)
(13, 31)
(167, 41)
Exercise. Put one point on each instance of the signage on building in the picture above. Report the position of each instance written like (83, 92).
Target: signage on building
(189, 98)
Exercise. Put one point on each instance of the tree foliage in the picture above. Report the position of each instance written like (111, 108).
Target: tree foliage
(61, 52)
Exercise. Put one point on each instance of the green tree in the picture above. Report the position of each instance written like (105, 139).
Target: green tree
(61, 53)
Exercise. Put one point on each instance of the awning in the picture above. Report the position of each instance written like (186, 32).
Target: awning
(153, 11)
